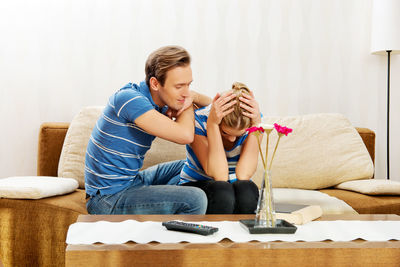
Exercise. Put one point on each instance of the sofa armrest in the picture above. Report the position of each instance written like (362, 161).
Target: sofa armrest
(368, 136)
(51, 139)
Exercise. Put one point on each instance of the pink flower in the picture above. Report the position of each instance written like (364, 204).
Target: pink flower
(254, 129)
(282, 129)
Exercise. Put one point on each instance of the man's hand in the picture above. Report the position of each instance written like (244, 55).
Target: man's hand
(221, 107)
(249, 103)
(200, 100)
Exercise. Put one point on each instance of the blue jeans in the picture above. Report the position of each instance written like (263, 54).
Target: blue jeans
(154, 192)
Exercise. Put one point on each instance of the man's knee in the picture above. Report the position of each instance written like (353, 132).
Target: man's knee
(196, 200)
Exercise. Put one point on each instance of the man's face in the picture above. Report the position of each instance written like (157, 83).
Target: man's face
(176, 87)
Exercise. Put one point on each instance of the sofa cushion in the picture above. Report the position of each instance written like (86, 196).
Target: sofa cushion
(72, 158)
(163, 150)
(367, 204)
(36, 187)
(322, 151)
(372, 187)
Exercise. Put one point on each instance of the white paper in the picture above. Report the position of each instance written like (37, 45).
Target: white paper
(145, 232)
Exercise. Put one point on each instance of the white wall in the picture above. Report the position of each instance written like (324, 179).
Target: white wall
(298, 56)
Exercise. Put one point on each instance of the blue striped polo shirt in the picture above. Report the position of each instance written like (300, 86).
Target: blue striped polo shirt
(117, 146)
(192, 170)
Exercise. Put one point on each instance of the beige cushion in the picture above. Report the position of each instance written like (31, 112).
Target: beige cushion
(372, 187)
(72, 158)
(322, 151)
(35, 187)
(161, 151)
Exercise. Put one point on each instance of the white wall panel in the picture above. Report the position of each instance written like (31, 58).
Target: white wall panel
(299, 57)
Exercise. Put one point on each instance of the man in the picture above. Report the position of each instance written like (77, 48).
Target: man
(161, 106)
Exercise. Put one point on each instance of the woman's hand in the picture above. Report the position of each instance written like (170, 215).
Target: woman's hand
(174, 114)
(249, 103)
(221, 107)
(188, 103)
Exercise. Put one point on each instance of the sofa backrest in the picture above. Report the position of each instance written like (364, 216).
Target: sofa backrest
(51, 135)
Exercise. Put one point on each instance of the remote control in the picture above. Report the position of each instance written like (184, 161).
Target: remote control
(190, 227)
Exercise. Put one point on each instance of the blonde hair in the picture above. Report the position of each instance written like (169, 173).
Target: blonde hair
(236, 119)
(164, 59)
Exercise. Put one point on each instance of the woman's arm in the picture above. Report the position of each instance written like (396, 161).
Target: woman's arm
(247, 164)
(201, 147)
(210, 150)
(217, 164)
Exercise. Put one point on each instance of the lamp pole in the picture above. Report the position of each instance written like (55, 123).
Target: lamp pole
(388, 120)
(385, 41)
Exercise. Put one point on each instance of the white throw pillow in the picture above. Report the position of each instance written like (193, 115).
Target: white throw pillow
(328, 204)
(72, 158)
(322, 151)
(372, 187)
(35, 187)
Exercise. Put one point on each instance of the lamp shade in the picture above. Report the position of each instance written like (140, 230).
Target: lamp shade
(385, 28)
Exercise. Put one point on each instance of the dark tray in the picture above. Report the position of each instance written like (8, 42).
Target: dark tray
(282, 227)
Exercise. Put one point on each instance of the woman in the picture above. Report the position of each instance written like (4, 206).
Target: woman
(223, 157)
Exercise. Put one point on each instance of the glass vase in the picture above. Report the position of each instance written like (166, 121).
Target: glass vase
(265, 213)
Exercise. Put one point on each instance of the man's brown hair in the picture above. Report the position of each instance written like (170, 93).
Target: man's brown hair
(164, 59)
(236, 119)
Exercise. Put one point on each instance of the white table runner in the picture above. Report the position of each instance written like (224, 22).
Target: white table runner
(145, 232)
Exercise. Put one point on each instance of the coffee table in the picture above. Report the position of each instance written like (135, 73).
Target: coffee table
(228, 253)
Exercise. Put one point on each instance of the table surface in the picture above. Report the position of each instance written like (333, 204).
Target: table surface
(358, 251)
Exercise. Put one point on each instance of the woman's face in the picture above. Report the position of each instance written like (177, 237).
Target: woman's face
(230, 134)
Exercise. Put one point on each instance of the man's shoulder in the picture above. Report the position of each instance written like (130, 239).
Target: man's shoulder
(131, 92)
(131, 89)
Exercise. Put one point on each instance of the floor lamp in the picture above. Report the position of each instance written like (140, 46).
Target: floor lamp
(385, 40)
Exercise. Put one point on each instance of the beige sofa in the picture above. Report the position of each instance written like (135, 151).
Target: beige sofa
(33, 232)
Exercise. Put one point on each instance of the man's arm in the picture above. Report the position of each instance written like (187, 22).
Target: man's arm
(180, 131)
(200, 100)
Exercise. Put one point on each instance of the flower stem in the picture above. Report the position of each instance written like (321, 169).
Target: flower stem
(273, 155)
(259, 148)
(266, 151)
